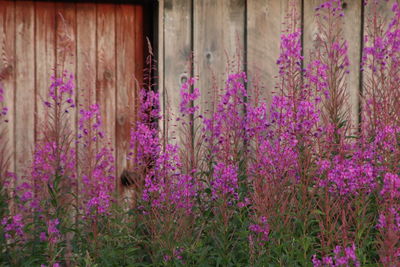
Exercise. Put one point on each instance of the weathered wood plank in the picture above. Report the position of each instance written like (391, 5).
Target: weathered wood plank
(86, 69)
(25, 84)
(139, 44)
(66, 47)
(66, 37)
(378, 24)
(86, 54)
(177, 58)
(160, 64)
(106, 70)
(218, 44)
(7, 73)
(310, 29)
(384, 11)
(45, 58)
(351, 33)
(125, 82)
(139, 58)
(265, 24)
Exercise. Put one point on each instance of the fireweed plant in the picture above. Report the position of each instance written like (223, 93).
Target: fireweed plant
(292, 182)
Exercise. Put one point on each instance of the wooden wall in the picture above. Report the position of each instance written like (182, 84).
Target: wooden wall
(105, 44)
(101, 44)
(219, 30)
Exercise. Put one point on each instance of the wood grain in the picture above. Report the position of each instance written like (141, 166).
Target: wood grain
(7, 74)
(352, 33)
(86, 54)
(125, 82)
(177, 59)
(310, 29)
(160, 64)
(218, 40)
(86, 68)
(87, 39)
(66, 49)
(24, 84)
(384, 10)
(265, 24)
(140, 44)
(106, 70)
(45, 59)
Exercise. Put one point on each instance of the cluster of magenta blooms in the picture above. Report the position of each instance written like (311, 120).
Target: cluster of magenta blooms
(271, 139)
(54, 171)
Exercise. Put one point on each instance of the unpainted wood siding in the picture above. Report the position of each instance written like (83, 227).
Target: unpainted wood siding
(101, 44)
(209, 38)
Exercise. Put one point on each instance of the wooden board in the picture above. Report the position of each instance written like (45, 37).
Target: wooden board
(66, 47)
(218, 38)
(140, 45)
(86, 54)
(310, 29)
(384, 10)
(80, 37)
(7, 74)
(86, 66)
(265, 24)
(352, 33)
(106, 70)
(160, 64)
(24, 84)
(45, 59)
(125, 83)
(177, 59)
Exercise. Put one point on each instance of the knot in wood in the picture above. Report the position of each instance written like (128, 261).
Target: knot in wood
(107, 75)
(121, 119)
(183, 78)
(209, 56)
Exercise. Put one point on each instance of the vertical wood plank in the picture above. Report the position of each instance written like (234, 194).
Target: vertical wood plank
(7, 74)
(66, 37)
(352, 33)
(86, 54)
(45, 58)
(265, 24)
(160, 60)
(384, 10)
(310, 29)
(177, 53)
(106, 75)
(139, 59)
(25, 84)
(86, 66)
(125, 82)
(66, 46)
(218, 32)
(139, 43)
